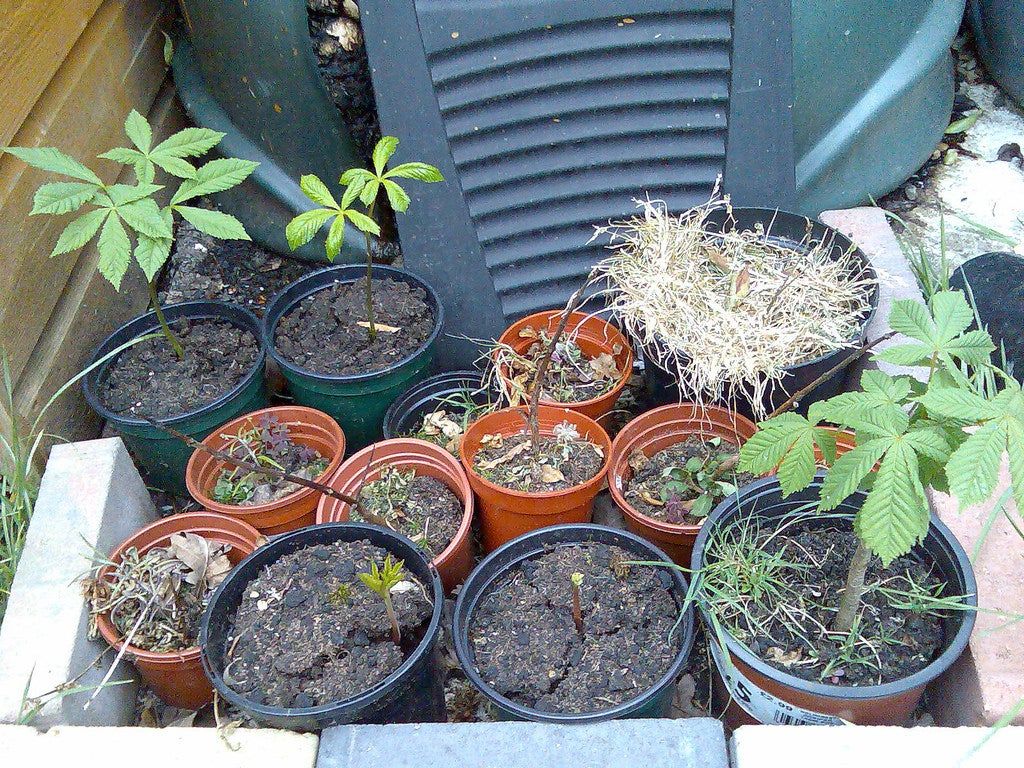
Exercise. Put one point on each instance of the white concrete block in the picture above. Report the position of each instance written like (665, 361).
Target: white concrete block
(91, 494)
(854, 746)
(102, 747)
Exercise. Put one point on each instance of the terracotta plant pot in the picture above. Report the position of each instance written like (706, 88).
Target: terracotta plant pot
(178, 677)
(307, 426)
(655, 431)
(506, 513)
(752, 691)
(456, 561)
(594, 336)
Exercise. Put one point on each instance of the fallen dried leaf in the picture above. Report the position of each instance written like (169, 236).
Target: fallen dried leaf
(652, 500)
(379, 326)
(493, 440)
(511, 454)
(604, 367)
(718, 258)
(529, 332)
(637, 460)
(741, 284)
(549, 474)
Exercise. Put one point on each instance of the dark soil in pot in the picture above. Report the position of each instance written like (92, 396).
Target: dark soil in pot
(322, 333)
(149, 379)
(422, 508)
(682, 483)
(309, 632)
(527, 645)
(559, 463)
(804, 567)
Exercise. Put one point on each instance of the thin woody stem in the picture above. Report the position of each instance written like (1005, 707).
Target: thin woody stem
(173, 340)
(372, 329)
(850, 599)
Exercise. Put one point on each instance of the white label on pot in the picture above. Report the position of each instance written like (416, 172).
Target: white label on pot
(761, 705)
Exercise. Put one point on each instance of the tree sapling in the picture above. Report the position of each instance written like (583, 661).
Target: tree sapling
(382, 580)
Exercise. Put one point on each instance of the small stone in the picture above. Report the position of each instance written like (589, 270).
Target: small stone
(936, 155)
(910, 192)
(254, 594)
(261, 605)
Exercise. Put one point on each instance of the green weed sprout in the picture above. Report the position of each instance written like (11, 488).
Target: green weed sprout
(381, 580)
(365, 185)
(127, 216)
(950, 432)
(576, 580)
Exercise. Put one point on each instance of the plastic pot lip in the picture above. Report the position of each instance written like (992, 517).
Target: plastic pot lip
(200, 495)
(287, 298)
(536, 541)
(766, 215)
(106, 626)
(395, 414)
(623, 445)
(769, 486)
(427, 449)
(595, 429)
(146, 323)
(579, 317)
(280, 546)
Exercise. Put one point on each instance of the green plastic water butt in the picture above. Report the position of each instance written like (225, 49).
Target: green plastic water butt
(358, 402)
(161, 457)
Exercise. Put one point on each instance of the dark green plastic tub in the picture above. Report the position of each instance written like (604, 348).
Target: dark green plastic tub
(160, 456)
(358, 402)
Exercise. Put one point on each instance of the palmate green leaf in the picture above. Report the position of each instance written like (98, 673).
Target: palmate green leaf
(363, 222)
(905, 354)
(355, 174)
(304, 227)
(144, 217)
(115, 251)
(55, 161)
(974, 347)
(886, 420)
(79, 232)
(215, 176)
(850, 469)
(120, 194)
(175, 166)
(895, 514)
(352, 192)
(151, 254)
(825, 439)
(1015, 448)
(123, 155)
(369, 192)
(774, 438)
(215, 223)
(188, 142)
(973, 470)
(929, 440)
(911, 318)
(418, 171)
(137, 128)
(953, 315)
(397, 197)
(957, 404)
(797, 468)
(385, 148)
(335, 238)
(317, 191)
(61, 197)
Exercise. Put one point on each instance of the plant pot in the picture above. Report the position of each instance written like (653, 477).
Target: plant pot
(405, 415)
(178, 677)
(787, 229)
(655, 431)
(456, 560)
(762, 693)
(161, 456)
(356, 401)
(506, 513)
(656, 701)
(412, 693)
(306, 426)
(593, 335)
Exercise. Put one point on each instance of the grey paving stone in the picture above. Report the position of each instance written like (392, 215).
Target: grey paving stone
(91, 492)
(693, 743)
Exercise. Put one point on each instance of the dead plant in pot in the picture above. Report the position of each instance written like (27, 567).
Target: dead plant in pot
(851, 585)
(733, 306)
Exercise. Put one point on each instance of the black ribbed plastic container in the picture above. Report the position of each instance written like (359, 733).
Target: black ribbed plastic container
(788, 230)
(405, 415)
(413, 693)
(656, 701)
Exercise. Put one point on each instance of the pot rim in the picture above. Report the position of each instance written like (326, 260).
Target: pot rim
(283, 302)
(626, 539)
(954, 646)
(202, 497)
(106, 626)
(467, 503)
(364, 697)
(147, 323)
(620, 444)
(583, 316)
(595, 429)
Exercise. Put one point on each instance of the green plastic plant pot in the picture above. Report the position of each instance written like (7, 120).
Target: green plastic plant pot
(359, 401)
(161, 456)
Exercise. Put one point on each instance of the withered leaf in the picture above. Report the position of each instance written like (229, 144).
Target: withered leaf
(741, 284)
(207, 563)
(511, 454)
(529, 332)
(718, 258)
(493, 440)
(637, 460)
(549, 474)
(604, 366)
(654, 501)
(379, 326)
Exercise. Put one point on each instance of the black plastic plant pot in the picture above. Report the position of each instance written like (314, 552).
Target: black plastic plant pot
(161, 456)
(405, 415)
(357, 401)
(756, 692)
(413, 693)
(797, 232)
(656, 701)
